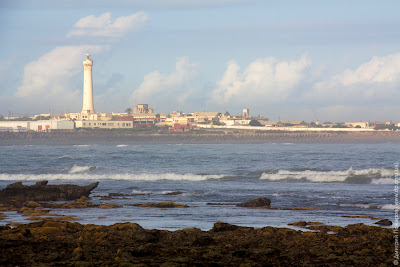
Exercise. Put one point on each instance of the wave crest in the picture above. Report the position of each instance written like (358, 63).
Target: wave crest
(84, 175)
(78, 169)
(374, 176)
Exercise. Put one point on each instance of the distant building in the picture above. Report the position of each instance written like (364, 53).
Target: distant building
(37, 126)
(206, 117)
(104, 124)
(246, 113)
(357, 124)
(284, 123)
(142, 109)
(178, 127)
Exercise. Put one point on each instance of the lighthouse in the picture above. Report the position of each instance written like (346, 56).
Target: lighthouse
(87, 107)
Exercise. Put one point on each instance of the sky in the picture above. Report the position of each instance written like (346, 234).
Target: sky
(306, 60)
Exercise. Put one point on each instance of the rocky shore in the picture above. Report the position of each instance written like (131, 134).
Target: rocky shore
(128, 244)
(193, 137)
(55, 241)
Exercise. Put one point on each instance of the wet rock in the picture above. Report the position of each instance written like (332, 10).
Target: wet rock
(128, 244)
(221, 227)
(109, 206)
(261, 202)
(17, 193)
(384, 222)
(299, 224)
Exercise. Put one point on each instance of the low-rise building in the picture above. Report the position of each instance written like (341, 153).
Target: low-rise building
(142, 109)
(357, 124)
(300, 124)
(94, 124)
(178, 127)
(37, 126)
(206, 117)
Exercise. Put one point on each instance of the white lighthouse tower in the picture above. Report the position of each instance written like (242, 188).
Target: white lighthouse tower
(87, 108)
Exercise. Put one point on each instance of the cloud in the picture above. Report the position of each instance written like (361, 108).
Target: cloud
(265, 80)
(377, 79)
(105, 26)
(50, 78)
(161, 88)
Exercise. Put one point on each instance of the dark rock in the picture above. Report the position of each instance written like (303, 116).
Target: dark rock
(261, 202)
(17, 193)
(221, 227)
(299, 223)
(128, 244)
(384, 222)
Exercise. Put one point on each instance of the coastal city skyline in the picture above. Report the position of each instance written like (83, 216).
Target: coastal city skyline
(317, 62)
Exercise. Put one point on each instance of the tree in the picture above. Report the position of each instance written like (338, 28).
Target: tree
(157, 115)
(255, 123)
(128, 110)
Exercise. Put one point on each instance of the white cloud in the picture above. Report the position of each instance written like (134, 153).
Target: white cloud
(265, 80)
(50, 78)
(105, 26)
(376, 79)
(158, 87)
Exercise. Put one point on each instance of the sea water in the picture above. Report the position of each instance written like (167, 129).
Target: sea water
(337, 179)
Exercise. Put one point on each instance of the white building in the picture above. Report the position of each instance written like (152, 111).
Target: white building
(37, 126)
(104, 124)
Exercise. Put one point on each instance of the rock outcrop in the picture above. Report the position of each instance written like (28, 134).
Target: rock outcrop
(384, 222)
(17, 193)
(261, 202)
(127, 244)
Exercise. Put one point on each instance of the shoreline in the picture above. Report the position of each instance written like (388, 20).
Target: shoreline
(128, 244)
(214, 136)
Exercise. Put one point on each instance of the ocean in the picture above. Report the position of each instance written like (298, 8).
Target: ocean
(336, 179)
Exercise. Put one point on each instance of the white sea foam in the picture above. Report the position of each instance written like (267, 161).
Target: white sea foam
(383, 181)
(81, 145)
(388, 207)
(376, 176)
(139, 192)
(363, 206)
(126, 176)
(78, 169)
(122, 145)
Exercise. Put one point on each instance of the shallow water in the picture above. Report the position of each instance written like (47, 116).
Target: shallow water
(340, 179)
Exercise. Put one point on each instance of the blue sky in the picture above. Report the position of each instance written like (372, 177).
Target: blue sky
(302, 60)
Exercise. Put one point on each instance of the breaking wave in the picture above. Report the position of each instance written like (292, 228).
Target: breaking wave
(127, 176)
(78, 169)
(122, 145)
(371, 206)
(369, 176)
